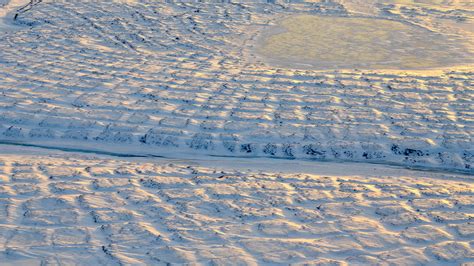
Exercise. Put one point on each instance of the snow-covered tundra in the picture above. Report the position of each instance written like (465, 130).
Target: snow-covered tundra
(285, 131)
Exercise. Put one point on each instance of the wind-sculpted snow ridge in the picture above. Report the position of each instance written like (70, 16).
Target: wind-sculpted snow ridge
(75, 209)
(181, 77)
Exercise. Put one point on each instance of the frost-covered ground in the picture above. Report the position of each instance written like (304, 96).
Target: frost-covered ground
(71, 208)
(108, 87)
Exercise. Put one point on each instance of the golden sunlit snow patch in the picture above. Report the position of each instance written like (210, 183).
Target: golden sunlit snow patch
(350, 42)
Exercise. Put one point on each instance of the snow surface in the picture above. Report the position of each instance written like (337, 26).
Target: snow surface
(182, 77)
(260, 163)
(8, 10)
(67, 208)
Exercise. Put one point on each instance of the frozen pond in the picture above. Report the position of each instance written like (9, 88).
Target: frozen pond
(323, 42)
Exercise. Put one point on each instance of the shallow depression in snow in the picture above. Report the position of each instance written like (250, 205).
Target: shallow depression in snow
(323, 42)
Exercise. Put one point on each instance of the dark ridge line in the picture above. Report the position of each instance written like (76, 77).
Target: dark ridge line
(395, 165)
(129, 155)
(26, 8)
(114, 154)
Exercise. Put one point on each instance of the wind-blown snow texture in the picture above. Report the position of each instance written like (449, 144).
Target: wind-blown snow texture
(69, 208)
(180, 77)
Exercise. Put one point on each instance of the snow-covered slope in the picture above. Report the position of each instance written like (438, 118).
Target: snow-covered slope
(67, 208)
(154, 78)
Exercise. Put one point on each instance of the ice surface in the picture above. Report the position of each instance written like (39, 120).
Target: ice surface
(327, 42)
